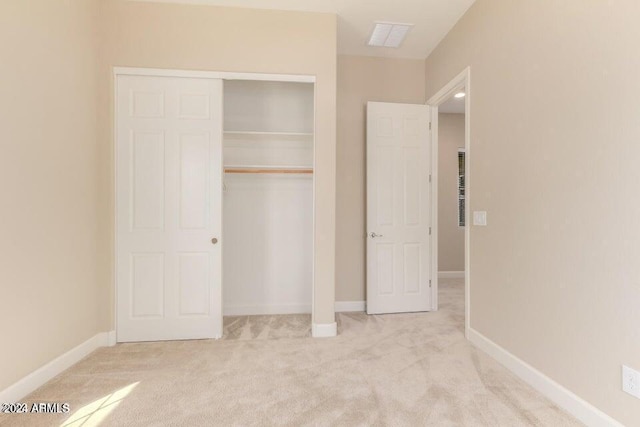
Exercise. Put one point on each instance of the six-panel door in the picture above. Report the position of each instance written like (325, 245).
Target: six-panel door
(398, 208)
(168, 208)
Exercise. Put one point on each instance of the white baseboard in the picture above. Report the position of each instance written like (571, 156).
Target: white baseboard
(251, 310)
(450, 274)
(39, 377)
(350, 306)
(111, 338)
(324, 330)
(564, 398)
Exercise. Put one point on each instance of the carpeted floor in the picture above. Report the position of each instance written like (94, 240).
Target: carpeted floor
(391, 370)
(267, 327)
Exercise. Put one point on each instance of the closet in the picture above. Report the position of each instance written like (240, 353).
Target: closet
(214, 200)
(267, 197)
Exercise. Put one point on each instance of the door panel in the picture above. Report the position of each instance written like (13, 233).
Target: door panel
(398, 208)
(194, 180)
(412, 186)
(412, 271)
(169, 207)
(147, 285)
(385, 262)
(147, 165)
(192, 283)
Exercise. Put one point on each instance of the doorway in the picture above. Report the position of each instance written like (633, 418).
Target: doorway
(450, 117)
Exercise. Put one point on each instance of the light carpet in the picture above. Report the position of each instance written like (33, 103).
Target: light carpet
(390, 370)
(267, 327)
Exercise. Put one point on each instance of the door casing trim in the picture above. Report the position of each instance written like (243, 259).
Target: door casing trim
(462, 80)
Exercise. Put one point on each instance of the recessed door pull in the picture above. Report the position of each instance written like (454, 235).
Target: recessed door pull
(214, 240)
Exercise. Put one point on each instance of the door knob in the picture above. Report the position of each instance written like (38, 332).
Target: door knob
(214, 240)
(374, 235)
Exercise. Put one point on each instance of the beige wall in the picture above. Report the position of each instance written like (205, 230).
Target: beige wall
(450, 235)
(192, 37)
(362, 79)
(48, 261)
(554, 161)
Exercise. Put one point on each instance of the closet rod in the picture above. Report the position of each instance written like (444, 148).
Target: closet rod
(268, 170)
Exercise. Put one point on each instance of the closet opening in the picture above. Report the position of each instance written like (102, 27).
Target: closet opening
(214, 204)
(268, 181)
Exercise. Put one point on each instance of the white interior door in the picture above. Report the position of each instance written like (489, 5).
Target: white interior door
(168, 208)
(398, 208)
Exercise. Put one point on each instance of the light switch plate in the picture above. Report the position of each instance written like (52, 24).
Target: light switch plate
(631, 381)
(480, 218)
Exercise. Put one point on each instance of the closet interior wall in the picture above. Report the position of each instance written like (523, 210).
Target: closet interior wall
(268, 197)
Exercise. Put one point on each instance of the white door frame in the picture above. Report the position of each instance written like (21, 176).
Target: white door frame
(462, 80)
(224, 75)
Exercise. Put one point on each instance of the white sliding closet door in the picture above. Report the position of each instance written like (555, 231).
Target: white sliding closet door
(168, 208)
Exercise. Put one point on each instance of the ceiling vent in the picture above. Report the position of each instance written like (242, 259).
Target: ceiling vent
(388, 34)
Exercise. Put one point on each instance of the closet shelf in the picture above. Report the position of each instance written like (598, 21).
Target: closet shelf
(268, 169)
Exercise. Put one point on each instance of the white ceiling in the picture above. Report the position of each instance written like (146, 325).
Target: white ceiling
(432, 18)
(452, 105)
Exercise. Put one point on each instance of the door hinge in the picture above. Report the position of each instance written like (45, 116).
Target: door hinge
(429, 177)
(429, 282)
(429, 125)
(429, 231)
